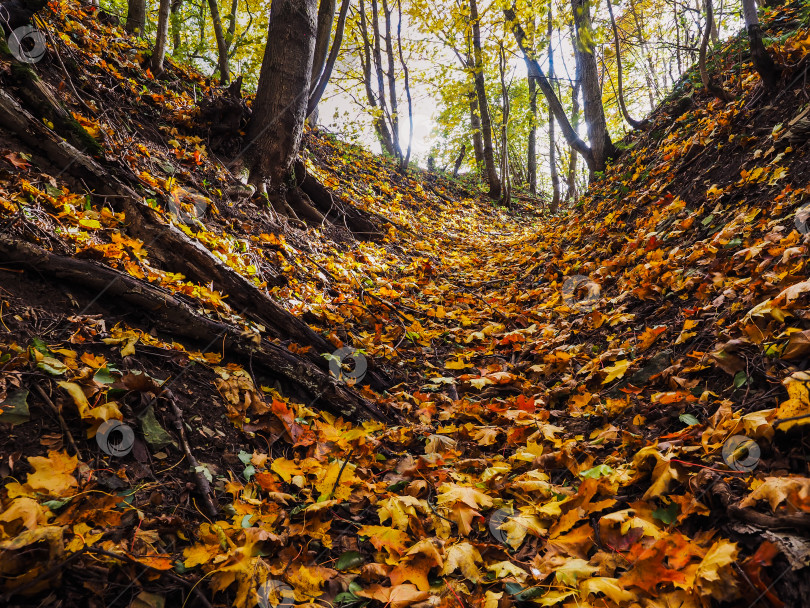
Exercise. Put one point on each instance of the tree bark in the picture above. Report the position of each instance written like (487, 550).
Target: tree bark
(317, 89)
(483, 106)
(552, 148)
(571, 191)
(277, 123)
(620, 86)
(459, 160)
(531, 153)
(407, 158)
(326, 16)
(715, 89)
(159, 52)
(478, 141)
(763, 63)
(392, 81)
(598, 137)
(222, 48)
(136, 17)
(506, 196)
(175, 25)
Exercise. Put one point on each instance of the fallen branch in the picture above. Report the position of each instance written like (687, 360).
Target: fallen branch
(794, 521)
(61, 419)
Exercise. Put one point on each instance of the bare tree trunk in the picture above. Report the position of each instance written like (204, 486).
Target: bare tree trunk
(620, 92)
(277, 123)
(506, 197)
(231, 33)
(459, 160)
(715, 89)
(392, 81)
(763, 63)
(571, 192)
(407, 159)
(375, 20)
(326, 16)
(531, 153)
(475, 125)
(598, 137)
(552, 150)
(380, 125)
(571, 136)
(159, 52)
(222, 49)
(483, 106)
(136, 17)
(316, 89)
(174, 20)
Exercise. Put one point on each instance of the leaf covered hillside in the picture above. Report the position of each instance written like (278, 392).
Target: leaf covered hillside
(606, 406)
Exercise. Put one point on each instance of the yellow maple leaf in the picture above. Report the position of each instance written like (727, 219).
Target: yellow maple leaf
(616, 370)
(53, 475)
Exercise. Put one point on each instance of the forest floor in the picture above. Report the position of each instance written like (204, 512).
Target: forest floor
(607, 407)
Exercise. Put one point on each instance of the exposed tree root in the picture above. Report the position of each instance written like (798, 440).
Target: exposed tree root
(175, 317)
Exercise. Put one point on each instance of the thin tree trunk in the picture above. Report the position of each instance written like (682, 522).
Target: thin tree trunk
(380, 125)
(531, 153)
(317, 89)
(552, 150)
(763, 63)
(506, 198)
(555, 106)
(231, 33)
(222, 49)
(326, 16)
(159, 52)
(483, 106)
(407, 159)
(459, 160)
(174, 19)
(277, 123)
(598, 137)
(571, 192)
(136, 17)
(620, 92)
(475, 125)
(392, 81)
(715, 89)
(375, 20)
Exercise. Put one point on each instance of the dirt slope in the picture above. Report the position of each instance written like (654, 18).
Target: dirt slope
(639, 433)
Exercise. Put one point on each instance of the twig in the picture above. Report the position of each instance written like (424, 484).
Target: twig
(343, 466)
(62, 422)
(202, 482)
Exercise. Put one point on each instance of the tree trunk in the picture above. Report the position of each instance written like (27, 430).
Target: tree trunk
(316, 90)
(277, 123)
(222, 49)
(375, 22)
(231, 33)
(531, 153)
(136, 17)
(392, 81)
(552, 148)
(620, 89)
(326, 16)
(483, 106)
(571, 192)
(176, 26)
(407, 159)
(378, 116)
(598, 136)
(715, 89)
(159, 52)
(555, 106)
(475, 119)
(506, 197)
(459, 160)
(763, 63)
